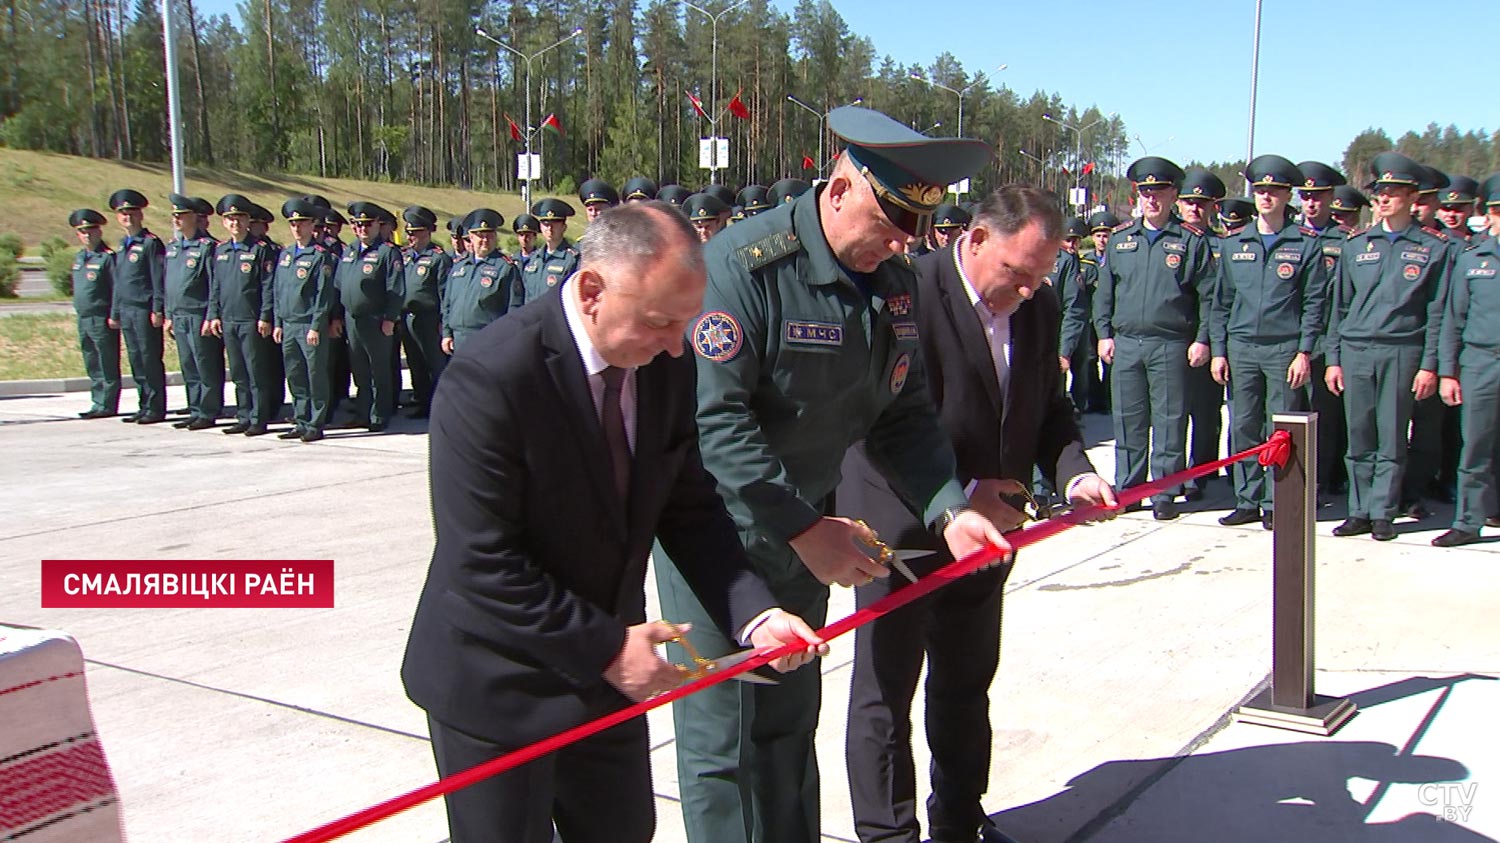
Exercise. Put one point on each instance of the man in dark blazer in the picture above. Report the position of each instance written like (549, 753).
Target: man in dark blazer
(989, 337)
(562, 441)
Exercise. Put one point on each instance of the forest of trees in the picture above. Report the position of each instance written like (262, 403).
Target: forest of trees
(385, 90)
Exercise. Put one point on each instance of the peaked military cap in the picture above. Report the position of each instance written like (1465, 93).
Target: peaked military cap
(456, 226)
(595, 191)
(1461, 190)
(203, 206)
(1432, 180)
(1489, 190)
(525, 223)
(1273, 171)
(673, 194)
(1152, 171)
(1103, 221)
(948, 215)
(300, 209)
(639, 187)
(1347, 198)
(737, 213)
(551, 210)
(1395, 168)
(233, 204)
(704, 206)
(1319, 176)
(1236, 212)
(318, 201)
(786, 190)
(754, 198)
(182, 204)
(909, 171)
(260, 213)
(1075, 227)
(483, 220)
(127, 200)
(417, 216)
(85, 218)
(367, 212)
(723, 192)
(1198, 183)
(333, 217)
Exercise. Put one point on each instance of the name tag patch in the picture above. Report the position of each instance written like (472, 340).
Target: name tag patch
(1127, 246)
(1366, 257)
(1171, 246)
(1414, 257)
(814, 333)
(1294, 257)
(905, 330)
(1244, 256)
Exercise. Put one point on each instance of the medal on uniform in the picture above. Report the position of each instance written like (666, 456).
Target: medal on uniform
(369, 268)
(899, 373)
(301, 272)
(1285, 271)
(1174, 261)
(1411, 272)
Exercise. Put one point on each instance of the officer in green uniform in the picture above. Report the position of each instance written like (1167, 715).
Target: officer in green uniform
(786, 190)
(1430, 181)
(948, 221)
(93, 296)
(189, 261)
(723, 192)
(1077, 348)
(261, 220)
(754, 199)
(555, 259)
(371, 287)
(1383, 341)
(1346, 206)
(459, 237)
(597, 196)
(807, 345)
(1198, 206)
(1469, 379)
(1432, 451)
(1455, 206)
(139, 305)
(304, 308)
(241, 306)
(1317, 192)
(638, 189)
(1236, 213)
(1152, 314)
(481, 287)
(1093, 257)
(527, 228)
(427, 268)
(706, 213)
(1270, 286)
(674, 194)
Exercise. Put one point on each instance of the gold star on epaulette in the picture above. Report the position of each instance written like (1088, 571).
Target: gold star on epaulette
(756, 251)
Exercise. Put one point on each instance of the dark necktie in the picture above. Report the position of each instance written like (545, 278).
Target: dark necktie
(613, 421)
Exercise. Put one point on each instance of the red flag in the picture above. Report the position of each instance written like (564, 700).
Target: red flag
(738, 108)
(697, 104)
(1066, 171)
(515, 131)
(808, 163)
(553, 124)
(1088, 168)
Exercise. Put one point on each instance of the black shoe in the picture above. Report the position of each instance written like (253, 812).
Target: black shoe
(132, 418)
(1455, 538)
(376, 427)
(1241, 515)
(200, 424)
(256, 430)
(1353, 526)
(294, 433)
(1164, 510)
(1382, 530)
(1492, 521)
(1415, 510)
(96, 414)
(1192, 494)
(311, 435)
(152, 418)
(181, 423)
(1266, 522)
(237, 427)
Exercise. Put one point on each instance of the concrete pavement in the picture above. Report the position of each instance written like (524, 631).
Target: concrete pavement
(1126, 645)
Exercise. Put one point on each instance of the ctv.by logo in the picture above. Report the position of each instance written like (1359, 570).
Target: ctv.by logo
(1455, 798)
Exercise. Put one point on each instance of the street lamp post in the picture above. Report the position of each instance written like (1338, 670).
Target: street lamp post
(1146, 150)
(960, 94)
(1041, 162)
(1078, 133)
(530, 131)
(822, 117)
(713, 79)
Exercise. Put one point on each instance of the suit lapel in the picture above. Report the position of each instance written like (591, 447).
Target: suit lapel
(966, 325)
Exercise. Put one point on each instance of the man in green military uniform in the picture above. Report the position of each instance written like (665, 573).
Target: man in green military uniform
(807, 345)
(597, 196)
(1093, 257)
(706, 213)
(638, 189)
(1198, 206)
(754, 199)
(139, 305)
(483, 286)
(674, 194)
(459, 237)
(785, 190)
(1151, 312)
(370, 286)
(1077, 349)
(427, 268)
(555, 259)
(189, 262)
(304, 307)
(1346, 206)
(241, 303)
(1267, 315)
(93, 296)
(1317, 192)
(527, 229)
(1383, 341)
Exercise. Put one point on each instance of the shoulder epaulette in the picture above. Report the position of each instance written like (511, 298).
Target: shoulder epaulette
(1192, 228)
(1347, 230)
(1122, 226)
(1310, 232)
(1358, 230)
(772, 247)
(1436, 233)
(1089, 259)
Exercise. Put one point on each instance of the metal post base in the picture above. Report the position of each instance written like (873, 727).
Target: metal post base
(1324, 718)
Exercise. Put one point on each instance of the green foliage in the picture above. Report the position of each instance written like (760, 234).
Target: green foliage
(10, 243)
(10, 275)
(565, 186)
(58, 256)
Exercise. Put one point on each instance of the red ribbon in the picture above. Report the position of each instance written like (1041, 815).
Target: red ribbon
(1275, 451)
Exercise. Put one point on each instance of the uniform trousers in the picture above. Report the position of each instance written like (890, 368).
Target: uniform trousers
(1149, 385)
(101, 359)
(1257, 389)
(1377, 382)
(1479, 374)
(143, 342)
(202, 361)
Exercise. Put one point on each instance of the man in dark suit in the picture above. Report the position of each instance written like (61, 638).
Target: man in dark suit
(562, 441)
(989, 336)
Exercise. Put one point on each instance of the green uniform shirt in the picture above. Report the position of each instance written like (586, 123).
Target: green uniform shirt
(140, 274)
(304, 286)
(1160, 289)
(795, 364)
(1473, 312)
(370, 281)
(1076, 291)
(1268, 295)
(480, 291)
(1391, 291)
(545, 270)
(426, 275)
(94, 282)
(189, 263)
(241, 283)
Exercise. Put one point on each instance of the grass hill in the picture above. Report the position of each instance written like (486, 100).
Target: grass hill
(38, 190)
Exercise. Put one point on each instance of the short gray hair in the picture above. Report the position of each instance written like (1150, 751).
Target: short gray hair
(634, 234)
(1014, 206)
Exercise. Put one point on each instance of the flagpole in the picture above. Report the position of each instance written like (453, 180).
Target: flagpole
(713, 80)
(530, 130)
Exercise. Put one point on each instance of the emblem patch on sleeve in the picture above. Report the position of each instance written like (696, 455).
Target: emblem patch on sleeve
(899, 373)
(717, 336)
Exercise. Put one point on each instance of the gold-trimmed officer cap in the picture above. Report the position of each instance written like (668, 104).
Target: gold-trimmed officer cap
(1236, 212)
(1432, 180)
(598, 191)
(260, 213)
(320, 202)
(786, 190)
(638, 188)
(552, 210)
(948, 215)
(1318, 176)
(1154, 171)
(673, 194)
(331, 216)
(1461, 190)
(701, 207)
(1272, 171)
(754, 198)
(203, 206)
(1489, 190)
(85, 218)
(127, 200)
(367, 212)
(483, 221)
(1103, 221)
(234, 205)
(300, 209)
(456, 226)
(723, 192)
(1075, 227)
(1394, 168)
(182, 204)
(1198, 183)
(526, 224)
(418, 217)
(1348, 199)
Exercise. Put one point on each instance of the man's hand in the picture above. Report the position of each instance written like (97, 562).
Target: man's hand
(1452, 393)
(336, 328)
(1198, 354)
(448, 346)
(1107, 351)
(1333, 378)
(312, 338)
(156, 320)
(1062, 363)
(1299, 372)
(830, 550)
(276, 335)
(263, 328)
(1424, 385)
(1219, 368)
(1091, 489)
(781, 628)
(638, 671)
(987, 500)
(166, 327)
(971, 531)
(387, 327)
(113, 323)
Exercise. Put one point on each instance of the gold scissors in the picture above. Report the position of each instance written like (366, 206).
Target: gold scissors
(703, 667)
(881, 552)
